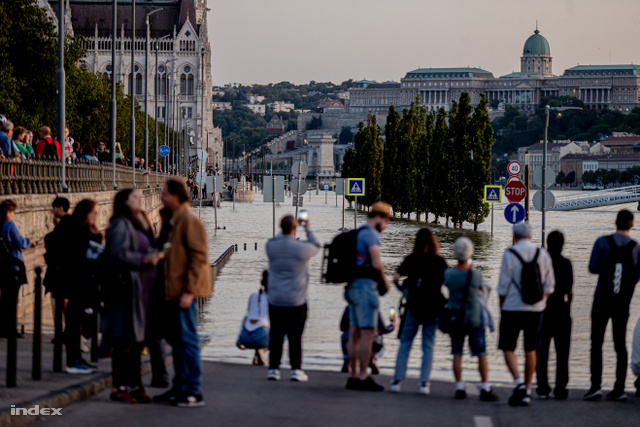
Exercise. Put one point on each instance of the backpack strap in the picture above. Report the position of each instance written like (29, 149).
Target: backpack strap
(513, 251)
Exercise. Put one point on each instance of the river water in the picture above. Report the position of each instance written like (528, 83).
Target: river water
(252, 223)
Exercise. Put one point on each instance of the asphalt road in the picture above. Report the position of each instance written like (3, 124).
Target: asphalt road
(238, 395)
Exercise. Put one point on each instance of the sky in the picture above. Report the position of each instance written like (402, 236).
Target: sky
(268, 41)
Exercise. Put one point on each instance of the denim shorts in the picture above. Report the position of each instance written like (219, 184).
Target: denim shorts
(362, 296)
(476, 342)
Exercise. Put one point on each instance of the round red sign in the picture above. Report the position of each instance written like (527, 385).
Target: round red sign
(515, 191)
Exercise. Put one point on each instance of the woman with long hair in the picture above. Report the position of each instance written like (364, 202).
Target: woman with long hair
(84, 243)
(128, 248)
(12, 269)
(424, 269)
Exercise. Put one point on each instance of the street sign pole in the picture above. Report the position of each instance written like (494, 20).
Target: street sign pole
(491, 219)
(215, 200)
(344, 191)
(544, 174)
(298, 190)
(355, 213)
(273, 188)
(325, 197)
(527, 184)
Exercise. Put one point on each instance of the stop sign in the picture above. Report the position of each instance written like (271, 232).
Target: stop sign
(515, 191)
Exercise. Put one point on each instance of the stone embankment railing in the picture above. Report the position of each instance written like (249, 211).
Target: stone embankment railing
(216, 266)
(43, 176)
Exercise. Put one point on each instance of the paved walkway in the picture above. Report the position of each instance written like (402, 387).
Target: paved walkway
(238, 395)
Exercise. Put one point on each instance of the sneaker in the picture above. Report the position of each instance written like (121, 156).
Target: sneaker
(189, 400)
(168, 396)
(299, 376)
(140, 396)
(561, 394)
(122, 395)
(274, 375)
(353, 384)
(78, 368)
(461, 394)
(425, 388)
(394, 387)
(519, 395)
(88, 365)
(617, 395)
(526, 399)
(369, 384)
(543, 393)
(593, 394)
(488, 396)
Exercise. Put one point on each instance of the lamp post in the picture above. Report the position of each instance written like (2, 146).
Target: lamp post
(113, 91)
(146, 100)
(133, 98)
(156, 91)
(61, 81)
(544, 164)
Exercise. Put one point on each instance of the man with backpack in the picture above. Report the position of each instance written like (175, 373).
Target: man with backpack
(526, 281)
(615, 258)
(362, 295)
(47, 146)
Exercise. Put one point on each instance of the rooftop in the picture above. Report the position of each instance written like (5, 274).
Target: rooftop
(447, 72)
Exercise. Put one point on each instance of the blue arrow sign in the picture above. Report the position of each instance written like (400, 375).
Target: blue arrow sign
(514, 213)
(163, 150)
(325, 187)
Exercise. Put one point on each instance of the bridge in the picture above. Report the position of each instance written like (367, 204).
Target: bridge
(591, 199)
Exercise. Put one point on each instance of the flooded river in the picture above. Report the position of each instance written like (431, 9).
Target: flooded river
(252, 223)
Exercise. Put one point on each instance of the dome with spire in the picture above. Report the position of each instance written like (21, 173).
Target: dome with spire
(536, 44)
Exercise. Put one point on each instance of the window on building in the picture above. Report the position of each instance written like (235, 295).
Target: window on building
(138, 84)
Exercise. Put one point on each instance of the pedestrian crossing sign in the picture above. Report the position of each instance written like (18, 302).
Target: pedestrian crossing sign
(493, 194)
(355, 186)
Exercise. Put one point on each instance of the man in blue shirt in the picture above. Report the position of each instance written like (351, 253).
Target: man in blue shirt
(6, 144)
(616, 259)
(362, 296)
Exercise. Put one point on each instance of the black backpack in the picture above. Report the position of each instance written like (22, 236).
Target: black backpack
(620, 273)
(340, 256)
(531, 281)
(49, 149)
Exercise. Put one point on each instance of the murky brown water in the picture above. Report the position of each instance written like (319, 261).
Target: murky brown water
(251, 223)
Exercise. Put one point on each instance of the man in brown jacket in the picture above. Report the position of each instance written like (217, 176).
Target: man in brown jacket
(187, 278)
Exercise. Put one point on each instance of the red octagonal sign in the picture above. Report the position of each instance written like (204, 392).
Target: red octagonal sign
(515, 191)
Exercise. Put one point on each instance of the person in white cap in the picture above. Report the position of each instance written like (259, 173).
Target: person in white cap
(526, 281)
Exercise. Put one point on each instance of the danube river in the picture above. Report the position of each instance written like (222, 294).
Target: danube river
(252, 223)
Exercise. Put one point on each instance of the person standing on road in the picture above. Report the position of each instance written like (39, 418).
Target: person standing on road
(616, 260)
(288, 285)
(556, 323)
(187, 278)
(424, 269)
(516, 314)
(362, 296)
(465, 291)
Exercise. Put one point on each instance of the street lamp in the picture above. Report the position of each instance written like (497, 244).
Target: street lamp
(156, 86)
(133, 98)
(61, 80)
(544, 163)
(113, 91)
(146, 100)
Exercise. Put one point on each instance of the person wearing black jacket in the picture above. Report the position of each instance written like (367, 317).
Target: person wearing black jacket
(424, 269)
(556, 322)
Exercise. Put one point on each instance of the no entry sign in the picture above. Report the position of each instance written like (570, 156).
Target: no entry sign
(515, 191)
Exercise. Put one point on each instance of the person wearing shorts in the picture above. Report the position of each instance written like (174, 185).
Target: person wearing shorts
(362, 296)
(465, 290)
(518, 316)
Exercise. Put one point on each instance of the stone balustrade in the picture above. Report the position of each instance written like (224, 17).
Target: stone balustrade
(43, 176)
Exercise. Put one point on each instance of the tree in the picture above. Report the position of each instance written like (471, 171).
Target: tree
(459, 158)
(560, 178)
(315, 123)
(571, 178)
(411, 127)
(369, 155)
(479, 143)
(346, 136)
(390, 186)
(440, 187)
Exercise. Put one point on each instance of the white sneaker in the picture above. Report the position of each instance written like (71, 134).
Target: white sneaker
(425, 388)
(299, 375)
(274, 375)
(394, 387)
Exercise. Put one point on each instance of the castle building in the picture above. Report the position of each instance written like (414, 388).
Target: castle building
(180, 80)
(598, 86)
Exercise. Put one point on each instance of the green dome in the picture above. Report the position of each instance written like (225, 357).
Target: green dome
(536, 44)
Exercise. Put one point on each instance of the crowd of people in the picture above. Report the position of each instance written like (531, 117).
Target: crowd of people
(17, 143)
(535, 290)
(143, 285)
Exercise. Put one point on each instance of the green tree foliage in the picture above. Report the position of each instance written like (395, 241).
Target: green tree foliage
(346, 136)
(369, 153)
(570, 178)
(479, 173)
(390, 187)
(560, 178)
(315, 123)
(440, 188)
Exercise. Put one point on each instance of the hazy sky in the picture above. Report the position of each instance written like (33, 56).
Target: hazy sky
(268, 41)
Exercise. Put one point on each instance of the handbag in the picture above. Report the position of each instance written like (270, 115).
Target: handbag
(454, 320)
